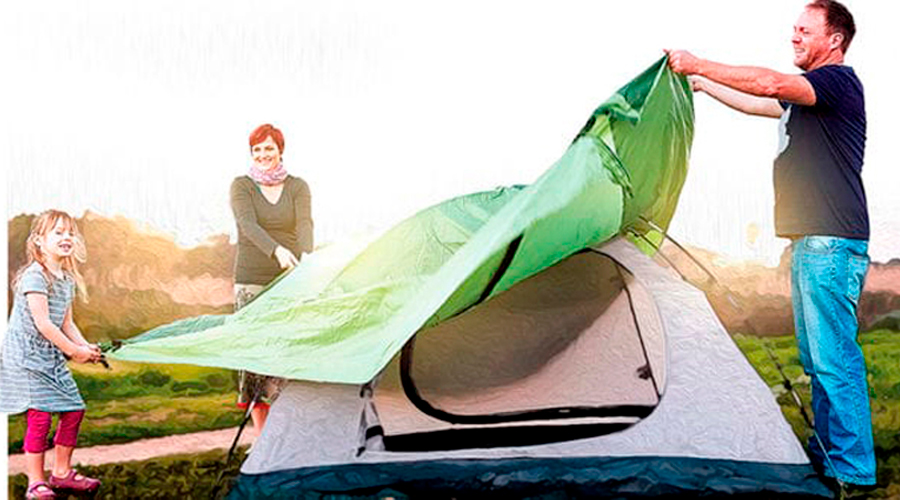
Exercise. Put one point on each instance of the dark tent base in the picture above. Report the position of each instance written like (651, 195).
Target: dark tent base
(539, 478)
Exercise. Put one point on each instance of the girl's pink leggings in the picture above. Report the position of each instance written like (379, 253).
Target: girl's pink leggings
(37, 427)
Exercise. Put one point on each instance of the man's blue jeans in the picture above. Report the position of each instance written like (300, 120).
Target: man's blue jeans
(827, 275)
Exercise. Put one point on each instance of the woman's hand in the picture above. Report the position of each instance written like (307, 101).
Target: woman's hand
(286, 259)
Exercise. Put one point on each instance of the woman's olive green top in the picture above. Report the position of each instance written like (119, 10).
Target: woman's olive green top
(262, 226)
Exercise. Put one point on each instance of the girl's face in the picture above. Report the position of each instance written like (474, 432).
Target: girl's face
(266, 154)
(59, 242)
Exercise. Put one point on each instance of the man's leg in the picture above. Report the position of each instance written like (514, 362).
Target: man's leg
(829, 274)
(820, 406)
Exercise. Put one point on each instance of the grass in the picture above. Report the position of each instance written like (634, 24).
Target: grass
(134, 401)
(882, 351)
(201, 476)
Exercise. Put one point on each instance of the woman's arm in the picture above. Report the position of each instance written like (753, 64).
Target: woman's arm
(303, 216)
(245, 216)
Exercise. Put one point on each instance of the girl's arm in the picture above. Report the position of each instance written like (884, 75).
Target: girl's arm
(74, 333)
(40, 312)
(71, 330)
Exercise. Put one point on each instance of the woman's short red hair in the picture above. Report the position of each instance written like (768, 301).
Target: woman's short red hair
(261, 132)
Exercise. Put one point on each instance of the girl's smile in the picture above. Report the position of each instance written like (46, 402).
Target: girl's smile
(58, 242)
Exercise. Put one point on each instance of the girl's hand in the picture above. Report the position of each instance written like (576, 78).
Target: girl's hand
(97, 353)
(85, 354)
(286, 259)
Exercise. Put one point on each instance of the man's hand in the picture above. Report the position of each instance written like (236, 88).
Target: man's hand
(682, 61)
(697, 83)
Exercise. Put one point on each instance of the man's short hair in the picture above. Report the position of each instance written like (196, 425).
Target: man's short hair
(838, 19)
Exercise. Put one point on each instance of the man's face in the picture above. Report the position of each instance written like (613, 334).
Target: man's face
(813, 41)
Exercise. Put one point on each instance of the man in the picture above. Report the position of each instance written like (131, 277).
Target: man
(820, 205)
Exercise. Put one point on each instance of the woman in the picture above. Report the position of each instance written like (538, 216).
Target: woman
(274, 222)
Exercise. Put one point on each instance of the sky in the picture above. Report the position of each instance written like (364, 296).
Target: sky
(142, 109)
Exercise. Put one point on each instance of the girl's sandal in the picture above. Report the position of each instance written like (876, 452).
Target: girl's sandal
(39, 491)
(74, 481)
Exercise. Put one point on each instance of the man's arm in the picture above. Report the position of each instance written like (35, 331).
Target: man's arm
(760, 82)
(745, 103)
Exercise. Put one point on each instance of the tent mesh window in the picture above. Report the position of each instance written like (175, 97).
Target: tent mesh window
(530, 366)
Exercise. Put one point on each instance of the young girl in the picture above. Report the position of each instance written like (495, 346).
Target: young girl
(34, 377)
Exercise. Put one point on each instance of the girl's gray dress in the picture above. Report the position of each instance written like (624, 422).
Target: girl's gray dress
(33, 371)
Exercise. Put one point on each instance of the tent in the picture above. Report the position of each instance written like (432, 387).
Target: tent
(603, 376)
(509, 343)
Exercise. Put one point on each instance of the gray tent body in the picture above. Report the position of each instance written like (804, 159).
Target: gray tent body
(605, 375)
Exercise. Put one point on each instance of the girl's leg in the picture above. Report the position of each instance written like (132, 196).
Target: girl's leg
(65, 440)
(63, 460)
(37, 426)
(63, 476)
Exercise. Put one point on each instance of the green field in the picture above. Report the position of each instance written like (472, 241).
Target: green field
(137, 400)
(133, 401)
(203, 476)
(882, 351)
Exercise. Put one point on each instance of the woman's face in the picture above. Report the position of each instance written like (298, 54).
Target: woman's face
(266, 154)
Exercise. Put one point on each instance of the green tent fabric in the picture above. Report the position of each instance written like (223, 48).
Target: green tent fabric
(346, 310)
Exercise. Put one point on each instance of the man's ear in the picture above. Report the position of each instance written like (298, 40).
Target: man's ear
(836, 40)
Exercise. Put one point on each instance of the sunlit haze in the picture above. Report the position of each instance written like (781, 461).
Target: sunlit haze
(143, 109)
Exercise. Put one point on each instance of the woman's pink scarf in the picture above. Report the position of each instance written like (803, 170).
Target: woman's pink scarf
(270, 177)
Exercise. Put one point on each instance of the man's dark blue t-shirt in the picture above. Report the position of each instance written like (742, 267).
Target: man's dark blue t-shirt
(818, 187)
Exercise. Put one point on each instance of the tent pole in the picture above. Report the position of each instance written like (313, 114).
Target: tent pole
(785, 381)
(237, 438)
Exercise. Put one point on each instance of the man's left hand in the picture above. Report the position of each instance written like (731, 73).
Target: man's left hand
(682, 61)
